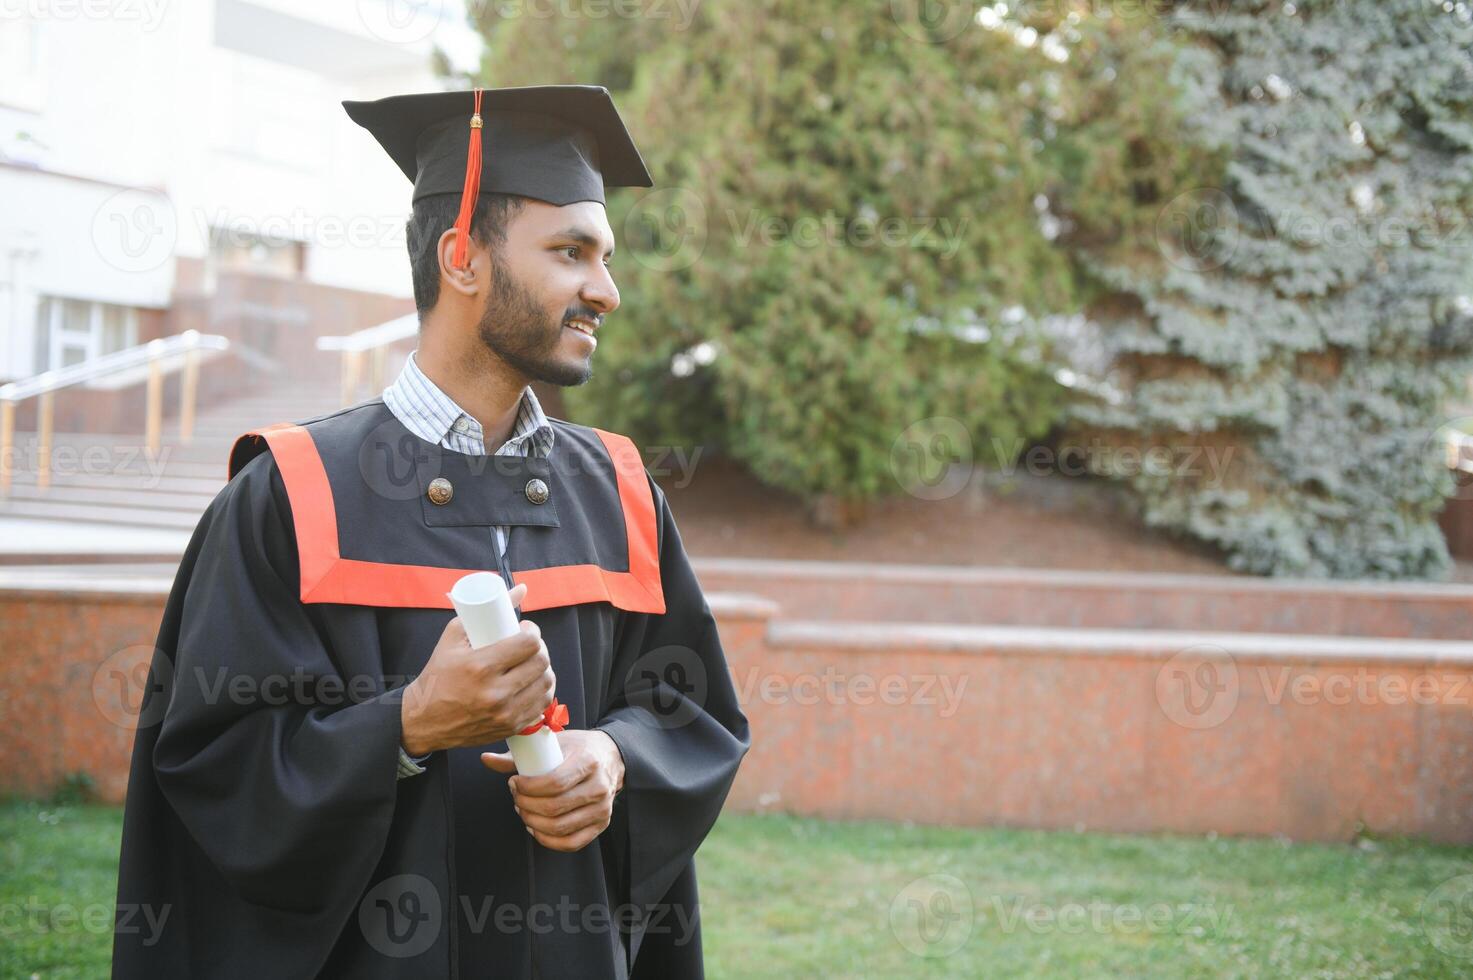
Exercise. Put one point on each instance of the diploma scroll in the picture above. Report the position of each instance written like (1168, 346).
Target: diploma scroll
(486, 612)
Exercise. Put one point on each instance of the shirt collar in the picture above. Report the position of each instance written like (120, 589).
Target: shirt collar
(428, 412)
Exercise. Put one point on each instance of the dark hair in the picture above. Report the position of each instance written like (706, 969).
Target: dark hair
(432, 216)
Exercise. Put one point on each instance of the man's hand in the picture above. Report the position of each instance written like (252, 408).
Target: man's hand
(471, 697)
(567, 808)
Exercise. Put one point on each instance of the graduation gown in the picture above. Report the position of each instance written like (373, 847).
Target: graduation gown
(264, 812)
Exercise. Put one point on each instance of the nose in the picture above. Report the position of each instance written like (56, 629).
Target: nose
(601, 293)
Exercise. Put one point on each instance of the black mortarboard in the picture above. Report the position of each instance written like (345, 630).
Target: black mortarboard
(555, 143)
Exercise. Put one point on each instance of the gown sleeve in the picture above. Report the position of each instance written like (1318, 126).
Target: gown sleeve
(278, 756)
(675, 717)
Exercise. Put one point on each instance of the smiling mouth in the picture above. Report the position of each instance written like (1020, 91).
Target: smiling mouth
(582, 326)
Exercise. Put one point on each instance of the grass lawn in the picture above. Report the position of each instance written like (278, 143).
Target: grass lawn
(784, 897)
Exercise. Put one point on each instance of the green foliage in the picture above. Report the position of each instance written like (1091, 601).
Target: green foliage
(1264, 209)
(1165, 906)
(58, 887)
(73, 789)
(1277, 271)
(827, 185)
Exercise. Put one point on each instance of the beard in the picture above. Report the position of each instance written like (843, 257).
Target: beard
(517, 330)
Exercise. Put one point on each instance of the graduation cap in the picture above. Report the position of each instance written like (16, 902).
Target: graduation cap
(555, 143)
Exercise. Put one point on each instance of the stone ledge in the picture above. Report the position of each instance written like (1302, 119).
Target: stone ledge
(1109, 581)
(741, 605)
(42, 582)
(1137, 644)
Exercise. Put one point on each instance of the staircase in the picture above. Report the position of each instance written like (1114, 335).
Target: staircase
(112, 480)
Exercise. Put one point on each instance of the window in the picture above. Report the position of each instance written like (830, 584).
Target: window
(22, 85)
(70, 331)
(243, 251)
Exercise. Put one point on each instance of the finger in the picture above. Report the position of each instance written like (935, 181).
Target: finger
(531, 701)
(528, 670)
(517, 594)
(567, 824)
(576, 842)
(573, 770)
(581, 795)
(499, 761)
(516, 649)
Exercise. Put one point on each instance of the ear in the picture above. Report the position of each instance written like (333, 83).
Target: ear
(467, 281)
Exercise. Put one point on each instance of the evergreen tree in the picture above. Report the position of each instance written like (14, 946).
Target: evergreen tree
(1301, 309)
(842, 210)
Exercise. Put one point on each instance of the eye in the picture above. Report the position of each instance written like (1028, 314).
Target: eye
(572, 251)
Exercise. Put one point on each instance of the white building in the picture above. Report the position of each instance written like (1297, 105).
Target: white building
(145, 146)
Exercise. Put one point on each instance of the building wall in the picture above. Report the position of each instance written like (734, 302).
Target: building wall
(130, 142)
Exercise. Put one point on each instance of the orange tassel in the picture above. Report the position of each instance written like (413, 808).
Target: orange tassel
(470, 192)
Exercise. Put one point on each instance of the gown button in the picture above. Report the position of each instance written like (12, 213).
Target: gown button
(537, 491)
(440, 491)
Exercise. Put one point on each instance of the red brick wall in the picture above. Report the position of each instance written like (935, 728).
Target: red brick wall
(71, 665)
(963, 725)
(1066, 729)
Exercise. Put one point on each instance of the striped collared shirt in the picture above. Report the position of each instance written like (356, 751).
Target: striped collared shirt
(433, 415)
(429, 413)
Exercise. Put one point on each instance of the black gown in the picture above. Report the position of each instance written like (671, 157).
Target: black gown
(264, 815)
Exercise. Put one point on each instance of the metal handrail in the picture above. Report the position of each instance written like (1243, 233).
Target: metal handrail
(1457, 450)
(109, 364)
(187, 346)
(373, 341)
(370, 337)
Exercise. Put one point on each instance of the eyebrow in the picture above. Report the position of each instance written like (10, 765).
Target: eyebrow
(585, 238)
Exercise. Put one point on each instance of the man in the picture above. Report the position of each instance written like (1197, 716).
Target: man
(320, 784)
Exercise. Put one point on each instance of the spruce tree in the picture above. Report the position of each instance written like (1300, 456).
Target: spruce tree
(1301, 310)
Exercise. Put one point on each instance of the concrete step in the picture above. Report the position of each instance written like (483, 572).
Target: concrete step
(111, 478)
(150, 499)
(137, 475)
(266, 412)
(85, 513)
(272, 403)
(226, 433)
(281, 396)
(72, 452)
(137, 481)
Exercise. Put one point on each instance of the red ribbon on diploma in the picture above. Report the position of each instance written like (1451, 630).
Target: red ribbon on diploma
(555, 717)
